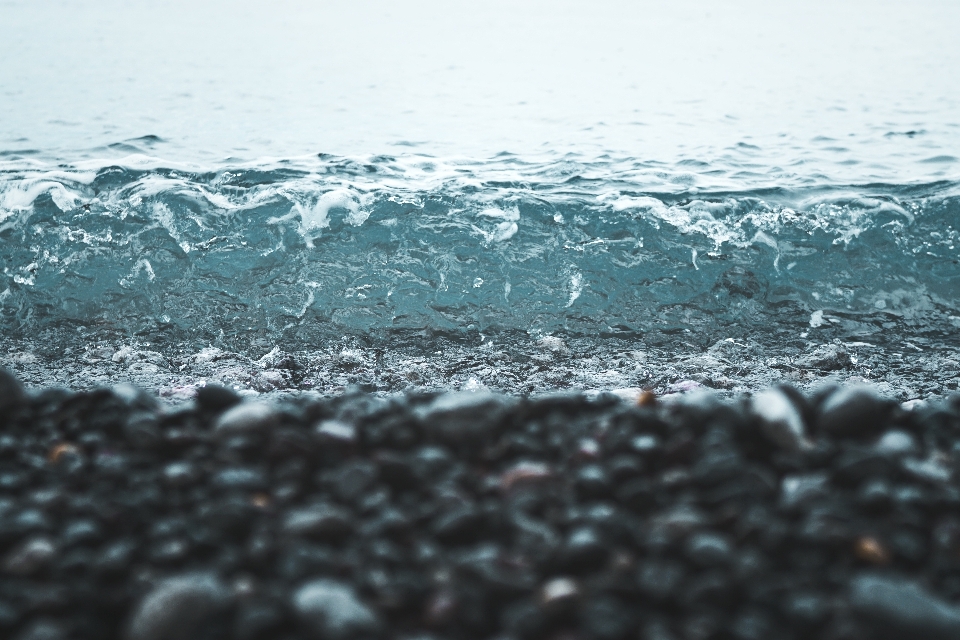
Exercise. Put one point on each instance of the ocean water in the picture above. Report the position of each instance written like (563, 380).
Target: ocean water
(625, 177)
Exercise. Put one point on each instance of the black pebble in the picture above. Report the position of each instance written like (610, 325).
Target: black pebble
(473, 516)
(216, 399)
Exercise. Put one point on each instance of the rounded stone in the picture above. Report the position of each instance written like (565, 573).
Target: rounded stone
(246, 417)
(11, 392)
(584, 550)
(780, 420)
(30, 557)
(464, 418)
(179, 607)
(708, 549)
(179, 474)
(331, 610)
(559, 592)
(903, 609)
(216, 398)
(855, 411)
(896, 443)
(319, 521)
(592, 481)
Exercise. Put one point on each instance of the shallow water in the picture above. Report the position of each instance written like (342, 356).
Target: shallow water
(177, 178)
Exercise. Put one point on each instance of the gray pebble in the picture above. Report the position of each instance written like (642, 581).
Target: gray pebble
(330, 610)
(179, 474)
(81, 532)
(796, 490)
(903, 610)
(240, 478)
(336, 431)
(42, 629)
(828, 357)
(246, 417)
(930, 470)
(780, 420)
(709, 549)
(853, 411)
(11, 393)
(320, 521)
(30, 557)
(644, 443)
(178, 608)
(464, 417)
(895, 443)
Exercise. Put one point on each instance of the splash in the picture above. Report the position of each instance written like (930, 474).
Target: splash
(336, 246)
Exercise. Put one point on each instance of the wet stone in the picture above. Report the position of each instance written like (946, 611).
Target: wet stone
(559, 592)
(336, 432)
(354, 479)
(875, 495)
(8, 615)
(431, 461)
(246, 417)
(464, 418)
(624, 467)
(215, 398)
(323, 521)
(524, 473)
(709, 549)
(797, 490)
(854, 411)
(806, 609)
(239, 478)
(43, 629)
(780, 420)
(258, 620)
(751, 624)
(81, 532)
(331, 610)
(584, 550)
(12, 395)
(185, 606)
(901, 609)
(829, 357)
(470, 516)
(606, 618)
(179, 474)
(396, 470)
(115, 557)
(592, 482)
(31, 520)
(30, 557)
(660, 579)
(645, 443)
(929, 470)
(459, 525)
(896, 443)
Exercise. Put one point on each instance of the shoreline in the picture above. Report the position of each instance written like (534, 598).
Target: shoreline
(516, 363)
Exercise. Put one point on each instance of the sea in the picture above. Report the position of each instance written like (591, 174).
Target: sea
(607, 196)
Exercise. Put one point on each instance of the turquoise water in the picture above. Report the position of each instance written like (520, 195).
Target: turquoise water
(311, 172)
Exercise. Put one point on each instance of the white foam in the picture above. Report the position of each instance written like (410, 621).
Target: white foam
(576, 288)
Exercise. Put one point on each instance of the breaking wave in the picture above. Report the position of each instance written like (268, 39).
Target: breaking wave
(329, 246)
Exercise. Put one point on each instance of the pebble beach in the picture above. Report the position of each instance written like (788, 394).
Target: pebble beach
(831, 515)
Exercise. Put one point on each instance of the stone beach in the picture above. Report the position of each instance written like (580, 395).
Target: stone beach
(831, 513)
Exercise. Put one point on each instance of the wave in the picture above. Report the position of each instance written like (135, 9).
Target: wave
(327, 246)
